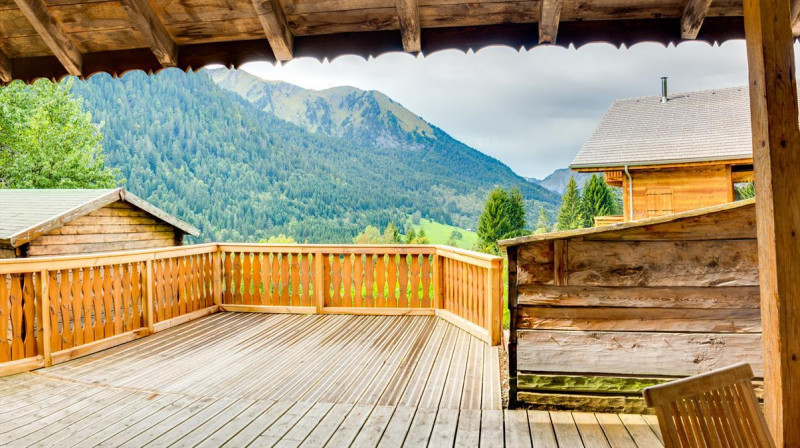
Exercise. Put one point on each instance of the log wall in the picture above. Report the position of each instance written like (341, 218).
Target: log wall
(118, 226)
(600, 315)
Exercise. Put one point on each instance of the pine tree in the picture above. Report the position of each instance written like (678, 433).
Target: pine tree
(597, 200)
(569, 215)
(411, 235)
(421, 238)
(515, 208)
(391, 235)
(503, 217)
(543, 222)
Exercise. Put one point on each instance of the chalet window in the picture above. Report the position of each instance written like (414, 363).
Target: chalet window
(659, 201)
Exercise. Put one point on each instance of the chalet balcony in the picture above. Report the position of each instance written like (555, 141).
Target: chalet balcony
(262, 345)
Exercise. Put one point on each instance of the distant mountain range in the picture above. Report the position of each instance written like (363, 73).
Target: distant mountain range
(243, 158)
(557, 181)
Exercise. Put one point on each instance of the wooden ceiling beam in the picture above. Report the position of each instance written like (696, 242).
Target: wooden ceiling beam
(549, 18)
(273, 20)
(5, 68)
(410, 30)
(795, 17)
(693, 16)
(43, 22)
(147, 22)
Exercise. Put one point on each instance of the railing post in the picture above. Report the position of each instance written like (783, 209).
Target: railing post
(494, 308)
(319, 282)
(148, 295)
(438, 296)
(45, 330)
(216, 261)
(511, 252)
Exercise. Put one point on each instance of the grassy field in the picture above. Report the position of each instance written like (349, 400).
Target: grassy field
(439, 233)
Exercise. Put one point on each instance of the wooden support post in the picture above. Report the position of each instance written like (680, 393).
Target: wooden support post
(776, 158)
(319, 283)
(149, 319)
(438, 296)
(494, 308)
(273, 21)
(693, 16)
(511, 251)
(5, 68)
(149, 25)
(216, 263)
(560, 248)
(45, 330)
(410, 32)
(549, 18)
(52, 34)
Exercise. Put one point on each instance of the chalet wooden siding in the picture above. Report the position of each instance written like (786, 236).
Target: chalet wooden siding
(597, 315)
(115, 227)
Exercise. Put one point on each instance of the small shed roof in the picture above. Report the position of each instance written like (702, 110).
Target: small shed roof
(701, 126)
(641, 224)
(28, 213)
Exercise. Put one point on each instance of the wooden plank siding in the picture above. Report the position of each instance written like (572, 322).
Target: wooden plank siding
(610, 312)
(117, 226)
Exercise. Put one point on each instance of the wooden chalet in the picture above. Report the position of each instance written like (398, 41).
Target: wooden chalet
(43, 222)
(176, 381)
(672, 153)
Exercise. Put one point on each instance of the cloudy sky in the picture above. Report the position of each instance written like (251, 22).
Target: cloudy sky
(532, 110)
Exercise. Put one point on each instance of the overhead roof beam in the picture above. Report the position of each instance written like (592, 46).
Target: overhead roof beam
(146, 20)
(37, 14)
(693, 15)
(796, 17)
(410, 32)
(273, 20)
(549, 18)
(5, 68)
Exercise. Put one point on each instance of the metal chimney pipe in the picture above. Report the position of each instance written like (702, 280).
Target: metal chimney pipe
(664, 93)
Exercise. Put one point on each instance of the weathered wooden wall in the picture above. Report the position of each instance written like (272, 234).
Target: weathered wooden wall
(602, 314)
(691, 188)
(118, 226)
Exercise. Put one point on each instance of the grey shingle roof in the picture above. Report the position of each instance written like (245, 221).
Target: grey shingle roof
(693, 126)
(25, 209)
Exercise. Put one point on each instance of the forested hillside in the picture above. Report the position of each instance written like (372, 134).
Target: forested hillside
(237, 172)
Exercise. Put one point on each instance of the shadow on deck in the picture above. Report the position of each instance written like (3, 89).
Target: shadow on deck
(239, 379)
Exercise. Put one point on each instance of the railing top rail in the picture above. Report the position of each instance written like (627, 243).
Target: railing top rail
(22, 265)
(33, 264)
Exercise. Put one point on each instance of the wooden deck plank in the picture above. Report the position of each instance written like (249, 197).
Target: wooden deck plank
(102, 432)
(162, 426)
(616, 433)
(214, 424)
(541, 428)
(444, 428)
(192, 423)
(492, 395)
(305, 425)
(236, 424)
(283, 425)
(254, 429)
(641, 432)
(140, 423)
(517, 432)
(325, 429)
(454, 385)
(468, 432)
(348, 430)
(652, 422)
(472, 391)
(564, 427)
(590, 430)
(396, 430)
(373, 428)
(434, 387)
(421, 426)
(492, 432)
(408, 394)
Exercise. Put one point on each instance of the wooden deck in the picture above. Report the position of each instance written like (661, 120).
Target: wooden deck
(238, 379)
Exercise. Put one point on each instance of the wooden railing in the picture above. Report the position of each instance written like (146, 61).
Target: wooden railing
(57, 308)
(608, 220)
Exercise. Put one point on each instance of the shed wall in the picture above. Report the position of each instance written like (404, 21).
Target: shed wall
(601, 316)
(118, 226)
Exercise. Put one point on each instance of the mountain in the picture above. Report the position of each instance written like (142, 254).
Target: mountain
(557, 180)
(242, 170)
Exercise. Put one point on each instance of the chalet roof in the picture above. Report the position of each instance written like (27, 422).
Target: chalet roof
(53, 38)
(641, 223)
(698, 126)
(27, 213)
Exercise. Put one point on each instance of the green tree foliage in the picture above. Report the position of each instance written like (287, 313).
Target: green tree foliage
(47, 140)
(597, 199)
(278, 239)
(411, 236)
(543, 222)
(503, 217)
(421, 238)
(391, 235)
(454, 238)
(370, 235)
(745, 190)
(570, 215)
